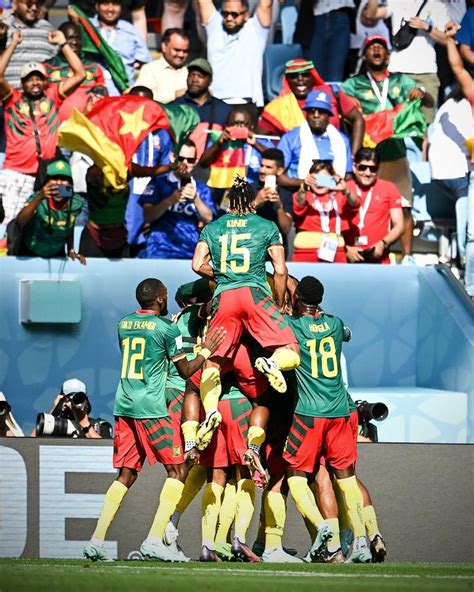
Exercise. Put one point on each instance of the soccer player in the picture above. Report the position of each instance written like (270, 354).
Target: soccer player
(238, 244)
(143, 430)
(321, 418)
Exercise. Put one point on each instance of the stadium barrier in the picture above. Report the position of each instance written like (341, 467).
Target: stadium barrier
(51, 492)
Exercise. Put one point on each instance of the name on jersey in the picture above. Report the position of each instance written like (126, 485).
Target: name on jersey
(319, 327)
(138, 325)
(236, 223)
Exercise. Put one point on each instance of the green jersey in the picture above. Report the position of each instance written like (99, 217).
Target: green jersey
(148, 343)
(238, 246)
(320, 391)
(189, 324)
(399, 85)
(48, 230)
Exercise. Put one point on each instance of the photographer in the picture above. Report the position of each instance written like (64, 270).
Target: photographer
(45, 225)
(69, 415)
(8, 426)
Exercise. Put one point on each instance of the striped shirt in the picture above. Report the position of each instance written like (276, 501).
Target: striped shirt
(35, 47)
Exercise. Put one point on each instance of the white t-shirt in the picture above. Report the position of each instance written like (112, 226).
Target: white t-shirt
(447, 153)
(237, 60)
(419, 57)
(325, 6)
(362, 32)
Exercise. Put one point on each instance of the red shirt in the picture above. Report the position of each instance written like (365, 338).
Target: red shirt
(321, 213)
(383, 196)
(21, 152)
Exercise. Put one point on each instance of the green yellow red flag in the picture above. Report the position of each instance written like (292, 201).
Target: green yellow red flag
(230, 162)
(406, 120)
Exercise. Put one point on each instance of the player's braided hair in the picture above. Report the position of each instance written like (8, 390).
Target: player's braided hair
(241, 196)
(310, 291)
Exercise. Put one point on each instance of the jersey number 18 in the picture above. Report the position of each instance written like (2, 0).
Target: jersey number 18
(324, 350)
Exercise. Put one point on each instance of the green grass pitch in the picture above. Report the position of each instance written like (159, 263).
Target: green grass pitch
(59, 575)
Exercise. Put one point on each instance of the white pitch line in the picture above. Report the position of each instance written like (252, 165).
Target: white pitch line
(246, 572)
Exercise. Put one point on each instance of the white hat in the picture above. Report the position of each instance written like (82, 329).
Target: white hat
(73, 385)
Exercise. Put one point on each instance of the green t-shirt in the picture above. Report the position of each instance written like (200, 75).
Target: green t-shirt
(238, 246)
(190, 325)
(399, 85)
(320, 391)
(47, 231)
(148, 343)
(107, 206)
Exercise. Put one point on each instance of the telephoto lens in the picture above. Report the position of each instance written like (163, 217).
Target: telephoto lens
(49, 425)
(79, 401)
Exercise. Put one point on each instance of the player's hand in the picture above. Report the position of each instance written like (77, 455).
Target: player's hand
(214, 339)
(191, 457)
(74, 255)
(353, 254)
(56, 38)
(451, 29)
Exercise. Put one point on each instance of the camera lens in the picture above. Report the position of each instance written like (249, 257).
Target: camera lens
(4, 408)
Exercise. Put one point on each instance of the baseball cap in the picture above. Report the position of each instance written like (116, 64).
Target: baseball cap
(298, 65)
(31, 67)
(200, 64)
(73, 385)
(59, 168)
(375, 39)
(318, 99)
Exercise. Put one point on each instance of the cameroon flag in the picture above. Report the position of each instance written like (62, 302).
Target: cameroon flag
(406, 120)
(230, 162)
(93, 42)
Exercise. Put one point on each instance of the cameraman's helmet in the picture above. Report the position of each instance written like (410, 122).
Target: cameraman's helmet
(73, 385)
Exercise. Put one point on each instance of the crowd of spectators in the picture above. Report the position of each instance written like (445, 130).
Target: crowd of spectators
(306, 152)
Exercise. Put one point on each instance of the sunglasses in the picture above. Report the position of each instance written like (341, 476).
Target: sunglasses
(296, 75)
(367, 167)
(232, 13)
(186, 159)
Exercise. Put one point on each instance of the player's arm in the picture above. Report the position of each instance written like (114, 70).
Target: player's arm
(187, 368)
(346, 333)
(201, 259)
(280, 275)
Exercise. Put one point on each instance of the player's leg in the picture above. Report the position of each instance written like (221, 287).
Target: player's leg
(377, 544)
(245, 507)
(211, 504)
(226, 518)
(190, 418)
(211, 389)
(128, 458)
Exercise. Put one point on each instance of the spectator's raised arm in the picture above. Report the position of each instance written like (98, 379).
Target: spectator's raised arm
(264, 12)
(206, 10)
(455, 61)
(79, 73)
(5, 58)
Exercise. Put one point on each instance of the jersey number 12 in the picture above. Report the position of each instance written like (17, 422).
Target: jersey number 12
(133, 352)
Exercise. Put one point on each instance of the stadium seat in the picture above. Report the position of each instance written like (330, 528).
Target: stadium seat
(274, 60)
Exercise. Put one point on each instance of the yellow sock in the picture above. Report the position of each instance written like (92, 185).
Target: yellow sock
(211, 504)
(285, 358)
(245, 506)
(370, 521)
(189, 429)
(227, 513)
(169, 498)
(112, 502)
(304, 500)
(275, 517)
(194, 481)
(210, 388)
(261, 520)
(334, 543)
(255, 438)
(344, 522)
(354, 502)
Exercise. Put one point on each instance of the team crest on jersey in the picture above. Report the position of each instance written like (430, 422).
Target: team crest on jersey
(176, 451)
(55, 75)
(44, 106)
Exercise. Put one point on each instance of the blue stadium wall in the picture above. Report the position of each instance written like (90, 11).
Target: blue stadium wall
(412, 345)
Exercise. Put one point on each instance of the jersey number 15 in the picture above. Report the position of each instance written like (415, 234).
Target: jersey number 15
(235, 250)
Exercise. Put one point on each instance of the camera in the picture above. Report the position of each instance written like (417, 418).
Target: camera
(65, 191)
(367, 412)
(4, 408)
(61, 421)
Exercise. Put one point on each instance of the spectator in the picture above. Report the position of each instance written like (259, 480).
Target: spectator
(378, 222)
(32, 122)
(322, 208)
(273, 202)
(177, 207)
(323, 28)
(211, 110)
(35, 45)
(167, 76)
(418, 60)
(379, 89)
(315, 139)
(235, 46)
(121, 36)
(133, 11)
(8, 425)
(448, 157)
(154, 150)
(465, 38)
(301, 77)
(58, 70)
(47, 219)
(238, 139)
